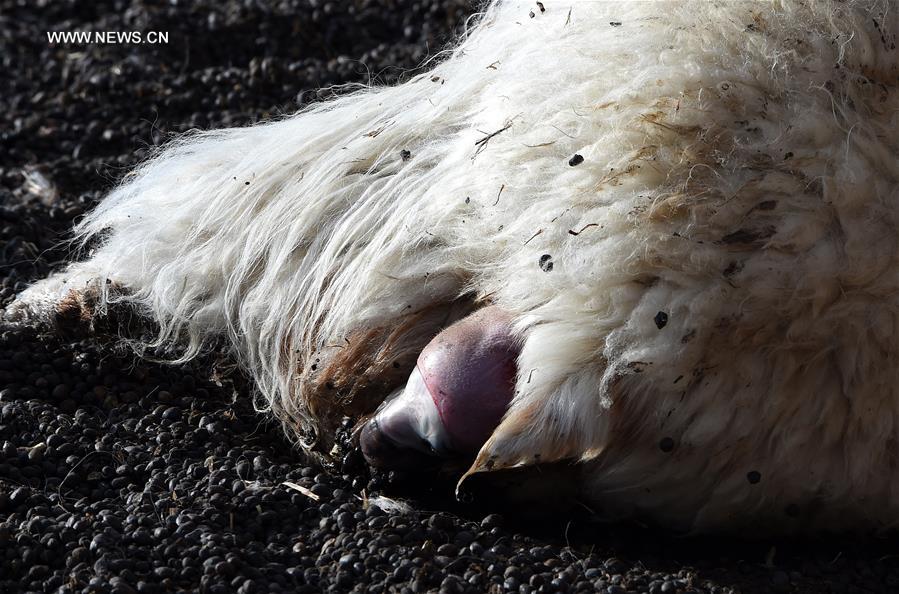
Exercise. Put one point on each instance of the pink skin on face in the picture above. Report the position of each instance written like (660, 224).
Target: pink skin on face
(469, 370)
(462, 385)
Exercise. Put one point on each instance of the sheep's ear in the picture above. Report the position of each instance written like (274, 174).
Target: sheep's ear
(537, 490)
(527, 436)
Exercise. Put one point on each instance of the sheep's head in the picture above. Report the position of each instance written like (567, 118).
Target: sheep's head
(456, 396)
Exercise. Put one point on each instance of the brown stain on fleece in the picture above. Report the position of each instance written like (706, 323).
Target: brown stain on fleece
(371, 364)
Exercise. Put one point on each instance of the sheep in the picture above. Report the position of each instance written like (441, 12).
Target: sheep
(681, 220)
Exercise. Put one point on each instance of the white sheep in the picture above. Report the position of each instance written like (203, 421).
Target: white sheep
(687, 215)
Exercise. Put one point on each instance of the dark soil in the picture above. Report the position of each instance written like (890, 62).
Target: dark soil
(121, 475)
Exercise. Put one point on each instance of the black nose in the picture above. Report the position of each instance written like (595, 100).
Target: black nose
(382, 452)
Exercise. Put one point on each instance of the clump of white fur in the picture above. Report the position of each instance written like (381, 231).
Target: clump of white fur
(739, 175)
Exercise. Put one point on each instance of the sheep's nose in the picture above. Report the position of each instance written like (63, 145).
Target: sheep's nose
(407, 431)
(454, 399)
(383, 452)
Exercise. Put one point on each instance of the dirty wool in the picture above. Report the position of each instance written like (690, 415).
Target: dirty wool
(690, 210)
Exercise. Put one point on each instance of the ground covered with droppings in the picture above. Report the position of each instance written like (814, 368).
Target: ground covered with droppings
(122, 475)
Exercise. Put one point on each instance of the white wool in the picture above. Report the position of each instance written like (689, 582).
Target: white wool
(739, 174)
